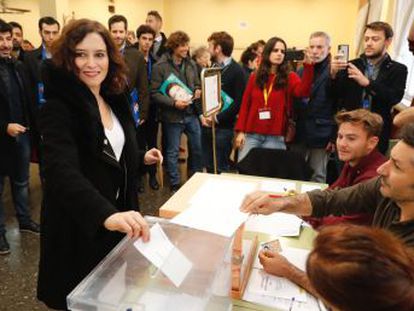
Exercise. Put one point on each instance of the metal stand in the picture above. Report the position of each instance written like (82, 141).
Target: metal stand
(213, 131)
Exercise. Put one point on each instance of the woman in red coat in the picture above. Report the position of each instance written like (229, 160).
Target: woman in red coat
(267, 100)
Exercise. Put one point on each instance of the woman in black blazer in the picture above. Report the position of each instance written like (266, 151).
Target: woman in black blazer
(91, 160)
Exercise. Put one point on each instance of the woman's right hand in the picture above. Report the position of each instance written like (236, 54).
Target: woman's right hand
(131, 223)
(240, 140)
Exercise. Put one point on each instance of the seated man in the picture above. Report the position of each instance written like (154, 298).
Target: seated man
(357, 140)
(390, 198)
(343, 254)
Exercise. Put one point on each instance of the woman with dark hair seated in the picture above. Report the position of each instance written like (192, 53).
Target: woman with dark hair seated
(91, 160)
(356, 268)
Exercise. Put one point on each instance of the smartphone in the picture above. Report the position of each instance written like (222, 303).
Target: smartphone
(343, 52)
(294, 55)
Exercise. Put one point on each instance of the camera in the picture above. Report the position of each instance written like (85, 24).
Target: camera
(294, 55)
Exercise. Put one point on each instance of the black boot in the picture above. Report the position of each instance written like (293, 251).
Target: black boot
(4, 245)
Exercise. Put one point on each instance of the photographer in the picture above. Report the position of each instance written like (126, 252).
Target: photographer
(315, 123)
(373, 81)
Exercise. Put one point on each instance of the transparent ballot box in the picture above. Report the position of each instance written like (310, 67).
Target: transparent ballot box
(126, 281)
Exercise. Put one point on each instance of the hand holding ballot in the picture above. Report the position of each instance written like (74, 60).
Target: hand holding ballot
(130, 222)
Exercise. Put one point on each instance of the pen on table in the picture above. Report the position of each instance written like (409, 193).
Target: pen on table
(291, 303)
(275, 196)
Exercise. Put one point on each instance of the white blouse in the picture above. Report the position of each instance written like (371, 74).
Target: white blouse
(116, 136)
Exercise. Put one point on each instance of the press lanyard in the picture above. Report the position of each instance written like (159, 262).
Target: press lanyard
(266, 92)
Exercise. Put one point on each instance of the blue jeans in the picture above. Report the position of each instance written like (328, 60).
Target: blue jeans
(19, 182)
(173, 131)
(224, 139)
(261, 141)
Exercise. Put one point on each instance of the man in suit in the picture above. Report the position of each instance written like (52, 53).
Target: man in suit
(14, 136)
(18, 51)
(136, 75)
(49, 31)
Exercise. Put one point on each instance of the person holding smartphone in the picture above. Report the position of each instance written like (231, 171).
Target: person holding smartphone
(266, 103)
(373, 81)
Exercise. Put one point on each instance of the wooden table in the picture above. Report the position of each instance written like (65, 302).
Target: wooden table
(180, 201)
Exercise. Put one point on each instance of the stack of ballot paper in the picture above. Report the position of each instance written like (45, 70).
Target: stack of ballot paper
(278, 224)
(280, 293)
(215, 207)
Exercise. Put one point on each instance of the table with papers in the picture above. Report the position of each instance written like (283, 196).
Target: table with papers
(211, 203)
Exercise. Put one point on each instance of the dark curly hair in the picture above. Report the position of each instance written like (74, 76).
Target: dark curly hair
(64, 52)
(282, 70)
(176, 39)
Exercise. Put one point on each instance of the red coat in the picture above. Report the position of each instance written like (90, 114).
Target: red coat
(253, 101)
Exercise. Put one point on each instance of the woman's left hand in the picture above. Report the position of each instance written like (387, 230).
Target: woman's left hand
(308, 56)
(153, 156)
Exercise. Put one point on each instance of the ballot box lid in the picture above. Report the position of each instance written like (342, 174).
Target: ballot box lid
(125, 280)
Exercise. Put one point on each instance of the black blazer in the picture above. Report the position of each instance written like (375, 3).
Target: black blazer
(7, 143)
(137, 77)
(84, 183)
(386, 91)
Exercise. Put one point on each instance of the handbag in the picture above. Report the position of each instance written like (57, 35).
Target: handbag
(290, 130)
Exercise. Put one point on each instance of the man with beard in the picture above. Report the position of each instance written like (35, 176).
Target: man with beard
(389, 198)
(18, 51)
(315, 123)
(373, 81)
(14, 136)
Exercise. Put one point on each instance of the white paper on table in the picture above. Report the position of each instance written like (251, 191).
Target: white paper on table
(266, 284)
(278, 224)
(273, 302)
(164, 255)
(215, 207)
(309, 187)
(311, 304)
(296, 256)
(277, 186)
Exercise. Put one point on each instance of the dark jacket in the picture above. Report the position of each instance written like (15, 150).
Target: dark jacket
(386, 91)
(137, 77)
(315, 122)
(32, 62)
(82, 179)
(233, 83)
(162, 48)
(189, 76)
(7, 142)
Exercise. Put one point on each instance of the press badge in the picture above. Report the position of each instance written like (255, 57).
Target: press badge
(265, 114)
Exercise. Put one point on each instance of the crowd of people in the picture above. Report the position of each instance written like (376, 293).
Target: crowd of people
(89, 104)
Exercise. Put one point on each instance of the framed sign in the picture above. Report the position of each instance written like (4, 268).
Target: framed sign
(211, 90)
